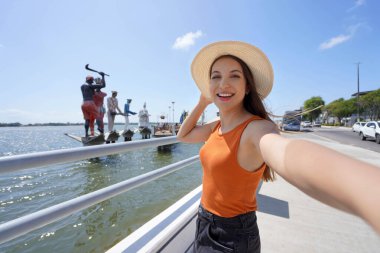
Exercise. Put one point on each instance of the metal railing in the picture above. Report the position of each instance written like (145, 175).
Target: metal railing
(33, 160)
(20, 226)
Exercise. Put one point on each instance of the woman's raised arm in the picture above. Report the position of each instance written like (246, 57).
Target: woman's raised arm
(326, 175)
(189, 130)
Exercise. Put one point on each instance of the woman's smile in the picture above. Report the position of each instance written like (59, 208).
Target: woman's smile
(224, 96)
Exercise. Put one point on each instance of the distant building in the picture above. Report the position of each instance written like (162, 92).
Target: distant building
(361, 93)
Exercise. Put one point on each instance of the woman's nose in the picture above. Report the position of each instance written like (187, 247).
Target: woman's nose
(223, 82)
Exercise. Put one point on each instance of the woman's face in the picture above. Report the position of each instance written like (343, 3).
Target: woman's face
(227, 83)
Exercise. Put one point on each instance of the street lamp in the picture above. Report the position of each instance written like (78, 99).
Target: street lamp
(169, 115)
(173, 111)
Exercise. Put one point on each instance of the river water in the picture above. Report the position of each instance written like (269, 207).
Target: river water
(101, 226)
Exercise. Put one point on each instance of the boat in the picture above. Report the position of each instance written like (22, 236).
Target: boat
(163, 129)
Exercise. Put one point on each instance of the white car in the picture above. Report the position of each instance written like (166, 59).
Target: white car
(371, 130)
(357, 126)
(293, 126)
(306, 124)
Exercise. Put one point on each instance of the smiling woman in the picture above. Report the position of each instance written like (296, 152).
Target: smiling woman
(243, 146)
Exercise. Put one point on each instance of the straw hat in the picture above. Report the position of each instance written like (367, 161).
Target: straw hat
(255, 59)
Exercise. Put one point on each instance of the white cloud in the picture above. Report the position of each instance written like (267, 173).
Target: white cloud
(334, 41)
(187, 40)
(357, 4)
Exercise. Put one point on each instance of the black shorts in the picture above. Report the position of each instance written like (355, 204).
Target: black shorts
(218, 234)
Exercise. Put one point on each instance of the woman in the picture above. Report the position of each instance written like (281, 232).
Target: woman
(244, 146)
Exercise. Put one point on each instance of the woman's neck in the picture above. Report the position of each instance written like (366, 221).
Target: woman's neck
(231, 118)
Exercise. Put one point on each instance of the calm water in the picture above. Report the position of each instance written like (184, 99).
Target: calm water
(101, 226)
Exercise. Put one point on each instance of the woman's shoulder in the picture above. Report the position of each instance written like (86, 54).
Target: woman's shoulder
(262, 126)
(256, 130)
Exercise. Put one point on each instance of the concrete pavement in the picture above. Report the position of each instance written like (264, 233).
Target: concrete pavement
(291, 221)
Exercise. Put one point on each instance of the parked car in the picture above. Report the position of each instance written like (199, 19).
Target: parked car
(357, 126)
(316, 124)
(306, 124)
(371, 130)
(293, 126)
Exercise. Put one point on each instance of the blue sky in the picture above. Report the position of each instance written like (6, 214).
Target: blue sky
(147, 48)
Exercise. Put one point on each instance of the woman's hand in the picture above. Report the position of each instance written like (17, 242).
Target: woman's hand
(190, 132)
(204, 100)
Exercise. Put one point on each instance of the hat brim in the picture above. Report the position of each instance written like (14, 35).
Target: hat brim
(255, 59)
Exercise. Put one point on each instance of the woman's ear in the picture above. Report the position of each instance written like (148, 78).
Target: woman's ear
(247, 89)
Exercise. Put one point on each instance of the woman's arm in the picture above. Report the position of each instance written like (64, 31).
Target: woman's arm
(189, 130)
(326, 175)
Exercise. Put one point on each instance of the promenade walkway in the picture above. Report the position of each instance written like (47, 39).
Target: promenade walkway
(291, 222)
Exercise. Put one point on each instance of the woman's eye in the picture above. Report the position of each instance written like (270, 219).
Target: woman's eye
(215, 77)
(235, 76)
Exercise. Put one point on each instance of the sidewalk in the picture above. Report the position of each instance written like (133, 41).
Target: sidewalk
(291, 222)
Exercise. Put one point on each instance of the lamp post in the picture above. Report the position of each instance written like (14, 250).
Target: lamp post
(357, 94)
(173, 110)
(169, 115)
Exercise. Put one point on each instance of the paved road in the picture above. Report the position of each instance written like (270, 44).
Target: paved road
(345, 136)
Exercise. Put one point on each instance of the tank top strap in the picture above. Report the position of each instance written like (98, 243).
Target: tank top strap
(216, 127)
(235, 136)
(241, 126)
(254, 117)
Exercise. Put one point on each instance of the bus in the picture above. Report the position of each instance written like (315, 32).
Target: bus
(291, 121)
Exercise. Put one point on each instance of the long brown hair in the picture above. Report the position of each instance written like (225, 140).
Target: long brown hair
(252, 103)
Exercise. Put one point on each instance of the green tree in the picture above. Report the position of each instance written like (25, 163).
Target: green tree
(341, 108)
(370, 104)
(350, 106)
(312, 103)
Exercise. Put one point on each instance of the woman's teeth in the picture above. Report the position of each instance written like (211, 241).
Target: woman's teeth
(224, 95)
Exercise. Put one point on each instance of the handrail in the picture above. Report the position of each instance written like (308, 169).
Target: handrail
(30, 222)
(33, 160)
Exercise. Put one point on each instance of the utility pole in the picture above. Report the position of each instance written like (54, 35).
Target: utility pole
(357, 94)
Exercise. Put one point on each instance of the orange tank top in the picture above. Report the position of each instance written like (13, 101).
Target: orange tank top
(228, 189)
